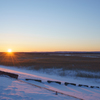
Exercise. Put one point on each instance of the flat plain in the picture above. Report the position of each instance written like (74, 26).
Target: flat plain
(66, 61)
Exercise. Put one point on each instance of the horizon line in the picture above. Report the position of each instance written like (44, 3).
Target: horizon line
(57, 52)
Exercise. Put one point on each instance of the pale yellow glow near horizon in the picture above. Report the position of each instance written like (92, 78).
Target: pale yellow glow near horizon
(9, 50)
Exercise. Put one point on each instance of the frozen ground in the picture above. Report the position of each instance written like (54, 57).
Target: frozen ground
(15, 89)
(11, 89)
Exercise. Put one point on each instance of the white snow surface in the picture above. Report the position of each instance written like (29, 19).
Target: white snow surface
(12, 89)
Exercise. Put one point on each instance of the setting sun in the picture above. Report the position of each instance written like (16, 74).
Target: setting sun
(9, 50)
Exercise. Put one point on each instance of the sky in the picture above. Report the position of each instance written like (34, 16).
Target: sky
(49, 25)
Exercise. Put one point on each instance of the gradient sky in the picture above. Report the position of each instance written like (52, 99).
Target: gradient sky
(49, 25)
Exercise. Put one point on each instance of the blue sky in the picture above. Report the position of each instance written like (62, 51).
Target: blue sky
(50, 25)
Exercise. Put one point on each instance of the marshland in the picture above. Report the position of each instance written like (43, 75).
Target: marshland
(64, 64)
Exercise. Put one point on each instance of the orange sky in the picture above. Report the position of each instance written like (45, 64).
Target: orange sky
(49, 25)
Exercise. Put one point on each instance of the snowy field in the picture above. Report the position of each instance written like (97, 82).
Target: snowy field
(21, 89)
(11, 89)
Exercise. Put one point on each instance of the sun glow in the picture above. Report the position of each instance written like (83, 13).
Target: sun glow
(9, 50)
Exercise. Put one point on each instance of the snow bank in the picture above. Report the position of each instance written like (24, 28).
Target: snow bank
(27, 91)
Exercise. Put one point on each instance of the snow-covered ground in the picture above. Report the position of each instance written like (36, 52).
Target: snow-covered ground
(11, 89)
(81, 55)
(28, 90)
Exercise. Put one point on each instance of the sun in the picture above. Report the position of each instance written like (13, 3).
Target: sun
(9, 50)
